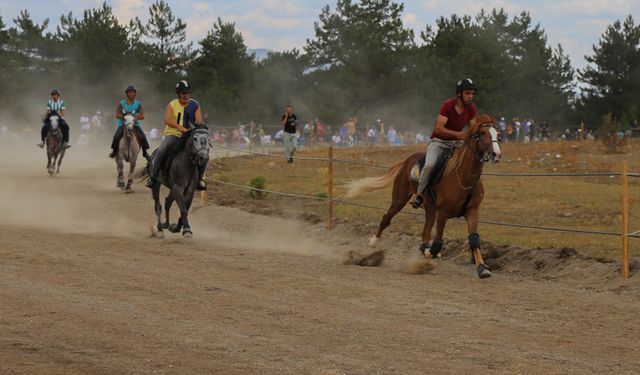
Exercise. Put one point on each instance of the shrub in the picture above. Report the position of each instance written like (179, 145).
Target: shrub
(257, 182)
(611, 135)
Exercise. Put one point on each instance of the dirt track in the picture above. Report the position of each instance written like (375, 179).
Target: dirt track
(84, 290)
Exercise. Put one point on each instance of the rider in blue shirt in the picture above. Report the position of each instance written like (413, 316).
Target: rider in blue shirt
(132, 106)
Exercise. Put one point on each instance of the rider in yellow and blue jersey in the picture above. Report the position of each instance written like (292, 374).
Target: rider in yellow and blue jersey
(181, 114)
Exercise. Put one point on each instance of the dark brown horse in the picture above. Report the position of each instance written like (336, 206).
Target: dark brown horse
(457, 193)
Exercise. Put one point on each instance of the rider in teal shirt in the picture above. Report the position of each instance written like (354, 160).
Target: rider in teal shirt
(132, 106)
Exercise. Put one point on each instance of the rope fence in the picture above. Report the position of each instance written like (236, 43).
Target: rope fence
(635, 234)
(624, 234)
(382, 166)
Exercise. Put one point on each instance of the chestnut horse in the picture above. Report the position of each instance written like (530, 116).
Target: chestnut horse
(457, 193)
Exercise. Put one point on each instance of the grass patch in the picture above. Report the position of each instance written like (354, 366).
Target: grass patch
(587, 203)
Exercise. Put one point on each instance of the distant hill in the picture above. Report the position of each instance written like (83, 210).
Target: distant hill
(261, 53)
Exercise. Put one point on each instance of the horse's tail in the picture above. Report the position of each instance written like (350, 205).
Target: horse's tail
(144, 173)
(367, 184)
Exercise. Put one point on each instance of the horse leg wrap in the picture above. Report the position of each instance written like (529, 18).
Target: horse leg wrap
(424, 246)
(436, 246)
(474, 241)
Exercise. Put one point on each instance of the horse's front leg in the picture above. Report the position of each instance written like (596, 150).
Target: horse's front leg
(167, 207)
(438, 244)
(132, 169)
(183, 204)
(472, 216)
(60, 161)
(158, 208)
(120, 165)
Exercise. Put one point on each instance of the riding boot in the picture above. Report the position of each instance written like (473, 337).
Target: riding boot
(151, 182)
(41, 144)
(202, 183)
(66, 145)
(145, 154)
(116, 142)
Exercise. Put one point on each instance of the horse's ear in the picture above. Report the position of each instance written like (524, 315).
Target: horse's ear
(484, 118)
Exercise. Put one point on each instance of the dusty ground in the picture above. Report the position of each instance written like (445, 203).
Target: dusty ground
(84, 290)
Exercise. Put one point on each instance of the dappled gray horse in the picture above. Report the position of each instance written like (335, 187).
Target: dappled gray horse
(180, 174)
(128, 150)
(55, 151)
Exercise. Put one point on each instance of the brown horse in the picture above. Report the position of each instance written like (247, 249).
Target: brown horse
(457, 193)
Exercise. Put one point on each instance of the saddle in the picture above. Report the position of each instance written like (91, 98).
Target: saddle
(438, 169)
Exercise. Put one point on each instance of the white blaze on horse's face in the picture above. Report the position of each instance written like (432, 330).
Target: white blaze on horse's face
(496, 145)
(129, 121)
(54, 121)
(201, 144)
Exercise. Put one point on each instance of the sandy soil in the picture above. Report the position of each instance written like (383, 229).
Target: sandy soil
(85, 290)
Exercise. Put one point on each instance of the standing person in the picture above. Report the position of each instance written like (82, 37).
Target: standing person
(544, 131)
(290, 122)
(132, 106)
(179, 116)
(55, 105)
(454, 114)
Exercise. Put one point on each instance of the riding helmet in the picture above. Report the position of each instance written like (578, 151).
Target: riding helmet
(465, 84)
(183, 86)
(130, 88)
(55, 92)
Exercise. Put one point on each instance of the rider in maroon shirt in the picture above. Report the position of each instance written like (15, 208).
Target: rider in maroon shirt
(454, 114)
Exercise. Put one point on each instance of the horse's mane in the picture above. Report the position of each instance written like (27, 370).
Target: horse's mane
(459, 153)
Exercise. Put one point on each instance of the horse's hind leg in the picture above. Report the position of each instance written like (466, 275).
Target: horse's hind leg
(167, 207)
(158, 208)
(429, 219)
(399, 201)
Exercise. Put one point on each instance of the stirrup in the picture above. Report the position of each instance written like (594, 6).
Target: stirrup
(202, 185)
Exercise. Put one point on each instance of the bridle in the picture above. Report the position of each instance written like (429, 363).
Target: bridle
(485, 154)
(195, 154)
(486, 149)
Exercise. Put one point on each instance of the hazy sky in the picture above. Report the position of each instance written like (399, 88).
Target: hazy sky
(284, 24)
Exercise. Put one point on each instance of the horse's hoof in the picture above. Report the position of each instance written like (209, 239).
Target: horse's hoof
(484, 271)
(174, 228)
(159, 234)
(187, 234)
(372, 241)
(165, 225)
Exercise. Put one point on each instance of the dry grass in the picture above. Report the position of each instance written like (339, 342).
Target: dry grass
(588, 203)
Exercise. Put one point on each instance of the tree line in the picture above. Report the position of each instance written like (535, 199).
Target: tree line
(362, 61)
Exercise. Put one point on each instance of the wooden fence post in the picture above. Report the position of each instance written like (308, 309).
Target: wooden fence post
(625, 222)
(330, 189)
(252, 125)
